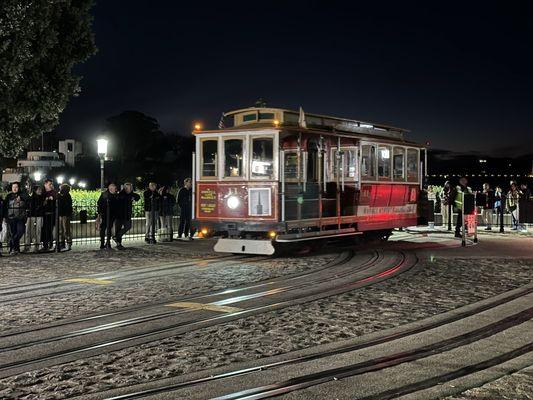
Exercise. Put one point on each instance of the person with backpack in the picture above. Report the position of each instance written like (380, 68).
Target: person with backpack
(16, 213)
(65, 216)
(168, 202)
(49, 214)
(34, 225)
(124, 214)
(184, 201)
(152, 205)
(108, 204)
(458, 198)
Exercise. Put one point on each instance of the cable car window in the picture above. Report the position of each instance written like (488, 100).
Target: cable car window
(350, 163)
(398, 164)
(312, 165)
(233, 162)
(412, 165)
(209, 157)
(263, 115)
(291, 165)
(249, 117)
(368, 162)
(384, 162)
(262, 158)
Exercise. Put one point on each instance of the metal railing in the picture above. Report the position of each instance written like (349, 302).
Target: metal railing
(45, 230)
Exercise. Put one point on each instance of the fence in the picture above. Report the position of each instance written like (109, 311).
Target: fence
(84, 226)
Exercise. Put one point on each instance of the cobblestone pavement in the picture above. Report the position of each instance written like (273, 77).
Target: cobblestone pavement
(183, 281)
(517, 386)
(24, 268)
(430, 288)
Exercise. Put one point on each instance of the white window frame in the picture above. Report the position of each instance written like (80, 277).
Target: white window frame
(376, 145)
(275, 155)
(404, 164)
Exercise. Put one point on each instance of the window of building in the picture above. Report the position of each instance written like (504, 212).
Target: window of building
(398, 164)
(70, 146)
(384, 162)
(262, 158)
(209, 157)
(368, 162)
(233, 160)
(412, 165)
(249, 117)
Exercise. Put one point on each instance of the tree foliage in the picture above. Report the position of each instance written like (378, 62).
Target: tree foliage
(40, 43)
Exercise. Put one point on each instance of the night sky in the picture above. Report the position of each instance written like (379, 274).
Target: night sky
(458, 76)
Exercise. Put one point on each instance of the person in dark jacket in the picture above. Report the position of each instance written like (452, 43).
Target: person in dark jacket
(168, 202)
(108, 204)
(488, 205)
(126, 197)
(152, 206)
(1, 223)
(458, 197)
(65, 216)
(185, 203)
(34, 225)
(49, 214)
(16, 213)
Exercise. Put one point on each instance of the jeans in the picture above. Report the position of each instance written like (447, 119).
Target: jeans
(106, 228)
(48, 230)
(445, 214)
(151, 223)
(487, 217)
(64, 230)
(185, 225)
(34, 227)
(166, 224)
(122, 226)
(514, 215)
(17, 227)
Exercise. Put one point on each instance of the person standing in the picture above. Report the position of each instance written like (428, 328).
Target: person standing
(168, 202)
(513, 197)
(126, 197)
(2, 232)
(152, 205)
(525, 195)
(488, 205)
(49, 214)
(65, 216)
(458, 198)
(107, 213)
(445, 202)
(185, 204)
(15, 211)
(34, 225)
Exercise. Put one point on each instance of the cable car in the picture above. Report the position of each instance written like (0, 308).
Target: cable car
(276, 176)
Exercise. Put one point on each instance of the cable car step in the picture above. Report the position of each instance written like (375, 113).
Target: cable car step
(244, 246)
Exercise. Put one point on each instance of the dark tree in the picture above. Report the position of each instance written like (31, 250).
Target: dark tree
(40, 43)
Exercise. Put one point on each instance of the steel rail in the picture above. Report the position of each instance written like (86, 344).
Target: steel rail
(379, 363)
(191, 325)
(340, 350)
(175, 299)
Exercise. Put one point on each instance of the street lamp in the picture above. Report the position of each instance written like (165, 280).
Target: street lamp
(72, 181)
(37, 176)
(60, 179)
(102, 151)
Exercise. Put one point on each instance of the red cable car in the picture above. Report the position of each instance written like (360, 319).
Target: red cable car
(280, 176)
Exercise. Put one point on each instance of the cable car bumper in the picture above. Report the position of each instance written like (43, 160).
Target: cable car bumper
(245, 246)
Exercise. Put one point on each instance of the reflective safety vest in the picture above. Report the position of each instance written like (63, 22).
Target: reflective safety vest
(459, 196)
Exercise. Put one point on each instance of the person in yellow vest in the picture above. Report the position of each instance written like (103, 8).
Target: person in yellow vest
(457, 196)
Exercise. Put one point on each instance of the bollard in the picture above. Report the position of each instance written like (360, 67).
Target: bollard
(450, 215)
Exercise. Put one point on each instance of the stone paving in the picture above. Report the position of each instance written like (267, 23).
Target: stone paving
(517, 386)
(200, 278)
(434, 286)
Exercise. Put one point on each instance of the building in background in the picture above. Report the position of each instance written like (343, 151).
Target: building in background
(71, 150)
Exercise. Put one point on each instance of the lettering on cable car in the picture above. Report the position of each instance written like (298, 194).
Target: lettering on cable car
(208, 200)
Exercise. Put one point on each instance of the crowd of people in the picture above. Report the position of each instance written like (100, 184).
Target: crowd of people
(492, 202)
(43, 216)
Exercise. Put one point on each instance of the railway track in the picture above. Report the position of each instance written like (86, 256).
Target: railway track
(84, 339)
(198, 386)
(70, 284)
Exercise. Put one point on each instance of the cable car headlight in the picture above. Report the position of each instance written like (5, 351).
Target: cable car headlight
(233, 202)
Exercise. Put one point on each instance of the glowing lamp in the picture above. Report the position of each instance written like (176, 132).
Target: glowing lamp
(204, 231)
(272, 234)
(276, 122)
(72, 181)
(233, 202)
(197, 126)
(60, 179)
(37, 176)
(101, 147)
